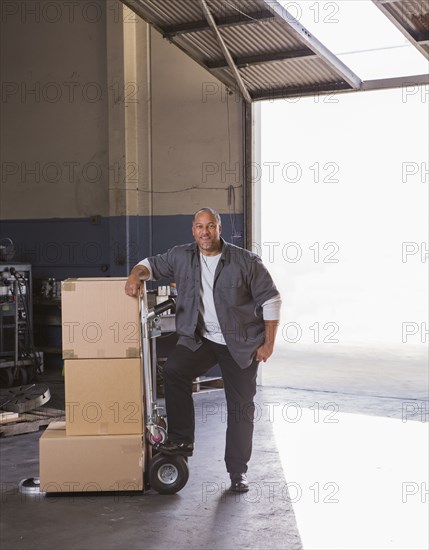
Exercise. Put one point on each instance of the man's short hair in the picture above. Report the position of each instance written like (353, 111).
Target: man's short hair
(211, 211)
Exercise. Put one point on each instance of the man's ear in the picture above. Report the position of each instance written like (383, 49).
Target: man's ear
(220, 229)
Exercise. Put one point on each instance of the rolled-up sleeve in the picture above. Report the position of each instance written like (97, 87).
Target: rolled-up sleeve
(271, 309)
(146, 264)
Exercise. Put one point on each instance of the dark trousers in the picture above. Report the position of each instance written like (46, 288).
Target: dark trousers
(182, 367)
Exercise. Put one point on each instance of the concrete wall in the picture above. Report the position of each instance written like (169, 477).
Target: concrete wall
(110, 138)
(54, 147)
(190, 134)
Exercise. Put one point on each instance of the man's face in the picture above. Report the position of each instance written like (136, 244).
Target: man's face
(206, 232)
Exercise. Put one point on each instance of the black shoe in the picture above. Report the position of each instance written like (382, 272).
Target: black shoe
(239, 483)
(173, 448)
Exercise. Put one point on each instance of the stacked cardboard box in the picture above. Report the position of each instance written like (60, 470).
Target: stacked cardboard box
(87, 463)
(100, 445)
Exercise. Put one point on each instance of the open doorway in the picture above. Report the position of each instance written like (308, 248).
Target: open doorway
(344, 220)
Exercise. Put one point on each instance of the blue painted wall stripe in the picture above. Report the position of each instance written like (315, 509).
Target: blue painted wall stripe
(99, 247)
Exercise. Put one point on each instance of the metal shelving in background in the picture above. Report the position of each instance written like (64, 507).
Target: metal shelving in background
(18, 360)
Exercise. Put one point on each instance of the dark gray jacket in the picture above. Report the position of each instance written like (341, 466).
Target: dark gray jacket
(241, 285)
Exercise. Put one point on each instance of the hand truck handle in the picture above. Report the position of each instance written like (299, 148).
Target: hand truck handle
(164, 306)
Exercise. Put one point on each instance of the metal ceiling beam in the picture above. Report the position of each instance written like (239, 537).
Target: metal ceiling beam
(230, 21)
(334, 89)
(382, 6)
(397, 82)
(262, 58)
(225, 52)
(300, 91)
(299, 31)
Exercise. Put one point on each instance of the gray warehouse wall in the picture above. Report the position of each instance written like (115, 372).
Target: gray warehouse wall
(53, 112)
(194, 162)
(110, 138)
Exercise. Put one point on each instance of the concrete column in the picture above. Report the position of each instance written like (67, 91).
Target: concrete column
(128, 74)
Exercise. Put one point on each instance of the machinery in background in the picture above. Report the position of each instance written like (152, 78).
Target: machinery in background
(19, 361)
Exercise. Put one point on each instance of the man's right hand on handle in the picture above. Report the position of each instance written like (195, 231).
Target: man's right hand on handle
(138, 274)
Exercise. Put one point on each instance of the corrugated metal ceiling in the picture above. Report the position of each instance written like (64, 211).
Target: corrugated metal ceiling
(271, 53)
(412, 19)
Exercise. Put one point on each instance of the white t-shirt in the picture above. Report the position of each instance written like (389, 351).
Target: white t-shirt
(211, 330)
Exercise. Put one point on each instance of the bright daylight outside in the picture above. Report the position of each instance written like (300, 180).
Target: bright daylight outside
(344, 195)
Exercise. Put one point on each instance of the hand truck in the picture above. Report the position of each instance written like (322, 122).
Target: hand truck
(165, 474)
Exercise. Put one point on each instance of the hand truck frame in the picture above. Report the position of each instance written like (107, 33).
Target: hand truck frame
(165, 474)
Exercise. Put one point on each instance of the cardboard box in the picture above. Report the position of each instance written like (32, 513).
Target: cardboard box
(87, 464)
(98, 319)
(103, 396)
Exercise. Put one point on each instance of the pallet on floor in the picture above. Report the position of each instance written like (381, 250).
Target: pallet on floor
(31, 421)
(6, 417)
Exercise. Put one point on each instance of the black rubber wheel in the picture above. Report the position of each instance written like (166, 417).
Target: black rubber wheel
(168, 474)
(6, 378)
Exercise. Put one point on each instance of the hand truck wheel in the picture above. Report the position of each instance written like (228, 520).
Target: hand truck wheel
(159, 436)
(168, 474)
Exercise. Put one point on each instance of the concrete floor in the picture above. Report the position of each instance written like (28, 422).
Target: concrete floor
(202, 515)
(326, 417)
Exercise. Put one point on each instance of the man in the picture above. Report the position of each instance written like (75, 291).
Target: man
(227, 313)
